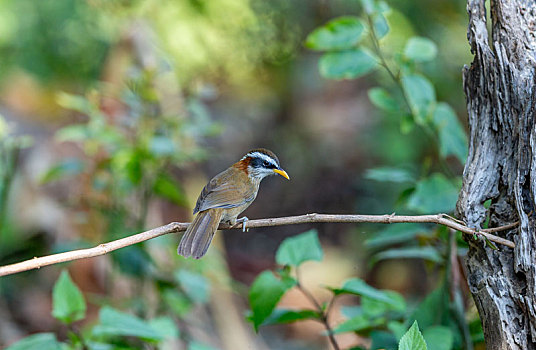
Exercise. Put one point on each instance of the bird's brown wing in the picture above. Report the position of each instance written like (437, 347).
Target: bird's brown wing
(229, 189)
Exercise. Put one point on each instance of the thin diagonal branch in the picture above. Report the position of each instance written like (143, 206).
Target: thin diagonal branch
(174, 227)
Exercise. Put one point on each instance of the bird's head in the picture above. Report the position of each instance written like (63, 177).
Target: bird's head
(259, 163)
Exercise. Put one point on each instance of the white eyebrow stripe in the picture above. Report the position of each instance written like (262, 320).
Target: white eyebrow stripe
(262, 156)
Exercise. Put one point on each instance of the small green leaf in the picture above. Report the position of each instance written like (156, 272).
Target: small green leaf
(421, 95)
(167, 187)
(67, 167)
(298, 249)
(373, 307)
(390, 174)
(288, 316)
(452, 137)
(435, 194)
(407, 124)
(349, 64)
(338, 34)
(264, 295)
(357, 286)
(41, 341)
(68, 304)
(438, 338)
(116, 323)
(196, 286)
(420, 49)
(396, 234)
(381, 28)
(490, 243)
(383, 100)
(413, 339)
(426, 253)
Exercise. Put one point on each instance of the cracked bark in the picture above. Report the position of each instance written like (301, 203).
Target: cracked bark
(501, 97)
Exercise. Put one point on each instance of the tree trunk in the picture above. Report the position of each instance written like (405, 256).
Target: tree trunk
(499, 86)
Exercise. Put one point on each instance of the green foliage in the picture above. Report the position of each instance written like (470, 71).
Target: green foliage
(425, 253)
(348, 64)
(68, 302)
(339, 34)
(438, 338)
(421, 97)
(41, 341)
(436, 194)
(296, 250)
(413, 339)
(280, 316)
(116, 323)
(420, 49)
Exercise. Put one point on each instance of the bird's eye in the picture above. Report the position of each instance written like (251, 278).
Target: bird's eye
(265, 164)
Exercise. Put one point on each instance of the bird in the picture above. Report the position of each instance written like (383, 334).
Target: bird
(226, 196)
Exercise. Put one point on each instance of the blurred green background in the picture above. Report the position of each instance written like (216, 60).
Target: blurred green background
(114, 115)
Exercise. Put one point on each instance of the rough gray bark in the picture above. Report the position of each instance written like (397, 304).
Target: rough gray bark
(499, 86)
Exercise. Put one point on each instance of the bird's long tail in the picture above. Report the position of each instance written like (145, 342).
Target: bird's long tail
(198, 236)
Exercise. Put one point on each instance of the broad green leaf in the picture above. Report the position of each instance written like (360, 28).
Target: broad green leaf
(264, 295)
(452, 136)
(390, 174)
(338, 34)
(420, 49)
(357, 286)
(167, 187)
(396, 234)
(438, 338)
(67, 167)
(288, 316)
(383, 100)
(196, 286)
(352, 311)
(116, 323)
(434, 309)
(381, 28)
(68, 304)
(347, 64)
(41, 341)
(426, 253)
(298, 249)
(421, 95)
(165, 326)
(373, 308)
(358, 323)
(413, 339)
(435, 194)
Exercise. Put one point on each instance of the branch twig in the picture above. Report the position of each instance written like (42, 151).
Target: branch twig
(105, 248)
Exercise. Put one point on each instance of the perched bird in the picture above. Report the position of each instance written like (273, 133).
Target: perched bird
(225, 196)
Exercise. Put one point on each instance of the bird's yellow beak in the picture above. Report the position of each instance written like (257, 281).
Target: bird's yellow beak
(282, 173)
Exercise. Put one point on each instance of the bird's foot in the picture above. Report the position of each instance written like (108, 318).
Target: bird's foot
(244, 221)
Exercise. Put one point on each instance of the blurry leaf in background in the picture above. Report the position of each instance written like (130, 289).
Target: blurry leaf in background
(420, 49)
(435, 194)
(195, 285)
(41, 341)
(396, 234)
(68, 304)
(166, 326)
(133, 260)
(279, 316)
(425, 252)
(162, 146)
(298, 249)
(67, 167)
(358, 323)
(438, 338)
(359, 287)
(421, 95)
(383, 340)
(177, 302)
(264, 295)
(167, 187)
(452, 136)
(434, 309)
(413, 339)
(337, 34)
(381, 27)
(390, 174)
(349, 64)
(195, 345)
(116, 323)
(382, 99)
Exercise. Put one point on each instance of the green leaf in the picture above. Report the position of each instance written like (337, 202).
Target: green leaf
(390, 174)
(298, 249)
(452, 136)
(426, 253)
(383, 100)
(438, 338)
(434, 309)
(435, 194)
(116, 323)
(373, 307)
(340, 33)
(264, 295)
(288, 316)
(68, 304)
(162, 146)
(196, 286)
(165, 326)
(413, 339)
(368, 6)
(167, 187)
(41, 341)
(357, 324)
(421, 95)
(382, 340)
(195, 345)
(396, 234)
(357, 286)
(420, 49)
(74, 102)
(67, 167)
(349, 64)
(177, 302)
(381, 28)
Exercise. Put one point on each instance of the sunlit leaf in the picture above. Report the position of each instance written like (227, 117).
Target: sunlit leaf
(452, 136)
(340, 33)
(420, 49)
(298, 249)
(347, 64)
(68, 304)
(413, 339)
(434, 194)
(421, 95)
